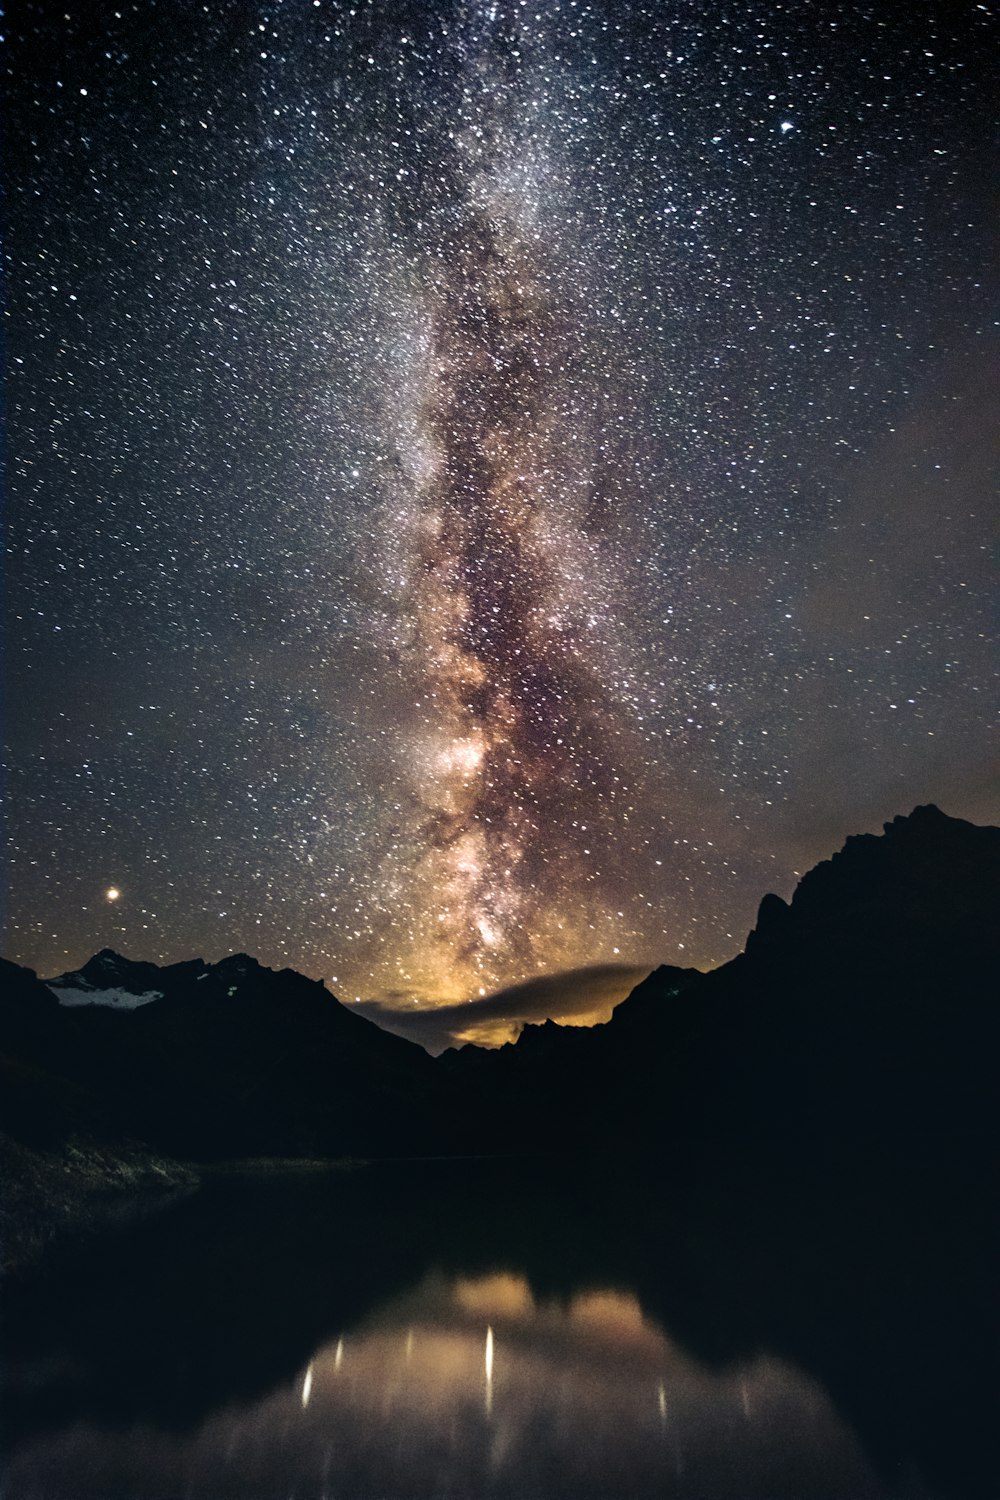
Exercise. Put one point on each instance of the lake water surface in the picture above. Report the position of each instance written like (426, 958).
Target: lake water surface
(496, 1329)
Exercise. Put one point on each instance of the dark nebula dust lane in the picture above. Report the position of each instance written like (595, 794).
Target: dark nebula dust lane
(517, 735)
(494, 487)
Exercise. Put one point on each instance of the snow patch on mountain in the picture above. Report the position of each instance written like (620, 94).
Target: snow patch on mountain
(115, 999)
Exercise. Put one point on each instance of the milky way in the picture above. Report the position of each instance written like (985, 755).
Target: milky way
(515, 739)
(495, 488)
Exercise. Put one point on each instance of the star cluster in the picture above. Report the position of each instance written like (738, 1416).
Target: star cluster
(495, 486)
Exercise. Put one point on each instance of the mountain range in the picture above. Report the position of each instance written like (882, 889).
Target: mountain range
(866, 1008)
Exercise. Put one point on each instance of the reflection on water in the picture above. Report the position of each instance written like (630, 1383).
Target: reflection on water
(427, 1397)
(493, 1331)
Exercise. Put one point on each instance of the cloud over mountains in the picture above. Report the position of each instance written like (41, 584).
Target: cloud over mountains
(582, 995)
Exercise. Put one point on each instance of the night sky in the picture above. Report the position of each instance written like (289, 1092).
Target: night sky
(494, 488)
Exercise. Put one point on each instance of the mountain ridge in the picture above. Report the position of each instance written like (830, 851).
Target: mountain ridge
(862, 1004)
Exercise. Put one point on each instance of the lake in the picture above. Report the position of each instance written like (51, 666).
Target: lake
(514, 1328)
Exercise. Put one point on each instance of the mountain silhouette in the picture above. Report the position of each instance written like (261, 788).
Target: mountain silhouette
(865, 1008)
(216, 1060)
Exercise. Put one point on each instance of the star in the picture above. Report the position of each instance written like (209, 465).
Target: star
(447, 541)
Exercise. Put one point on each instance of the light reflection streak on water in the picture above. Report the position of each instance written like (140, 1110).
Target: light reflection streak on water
(488, 1362)
(307, 1385)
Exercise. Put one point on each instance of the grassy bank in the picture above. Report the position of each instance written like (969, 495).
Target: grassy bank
(75, 1188)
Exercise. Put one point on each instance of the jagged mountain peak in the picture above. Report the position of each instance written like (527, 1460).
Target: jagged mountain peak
(926, 869)
(108, 968)
(241, 963)
(658, 989)
(108, 962)
(122, 981)
(924, 815)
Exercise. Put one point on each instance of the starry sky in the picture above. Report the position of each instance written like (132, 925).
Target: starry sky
(495, 487)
